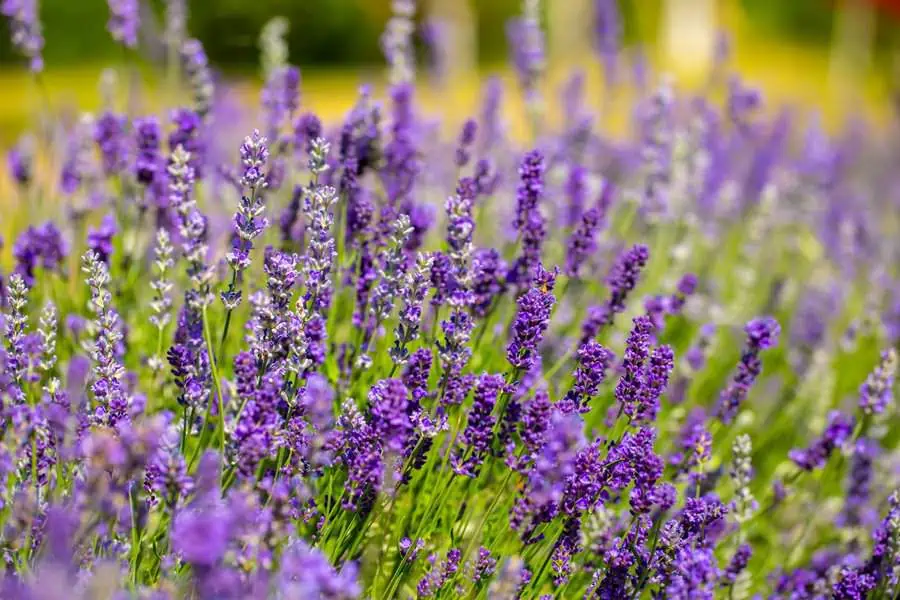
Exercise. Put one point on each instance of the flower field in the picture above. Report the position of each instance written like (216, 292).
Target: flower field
(251, 352)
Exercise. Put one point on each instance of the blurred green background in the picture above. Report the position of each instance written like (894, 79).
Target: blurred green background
(331, 33)
(788, 47)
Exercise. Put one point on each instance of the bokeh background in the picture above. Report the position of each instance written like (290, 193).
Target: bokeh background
(831, 55)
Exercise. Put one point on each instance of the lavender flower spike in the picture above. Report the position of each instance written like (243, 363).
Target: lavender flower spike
(161, 305)
(877, 391)
(124, 20)
(593, 362)
(838, 431)
(762, 334)
(111, 402)
(532, 320)
(621, 281)
(25, 28)
(413, 293)
(196, 68)
(248, 222)
(16, 321)
(476, 437)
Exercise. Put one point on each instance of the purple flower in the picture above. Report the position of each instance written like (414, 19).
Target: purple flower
(593, 362)
(188, 135)
(637, 349)
(464, 145)
(442, 278)
(655, 380)
(280, 98)
(148, 162)
(532, 320)
(528, 220)
(100, 240)
(737, 564)
(413, 295)
(859, 484)
(838, 431)
(19, 160)
(435, 580)
(124, 20)
(567, 545)
(389, 408)
(693, 574)
(581, 243)
(547, 477)
(536, 421)
(607, 36)
(42, 246)
(307, 127)
(526, 43)
(306, 573)
(622, 279)
(201, 534)
(476, 437)
(111, 139)
(531, 187)
(488, 279)
(196, 69)
(762, 333)
(853, 585)
(877, 391)
(25, 29)
(248, 220)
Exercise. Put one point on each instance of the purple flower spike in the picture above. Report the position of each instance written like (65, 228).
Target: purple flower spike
(593, 362)
(25, 28)
(532, 320)
(622, 279)
(877, 391)
(838, 431)
(762, 334)
(476, 438)
(389, 402)
(124, 20)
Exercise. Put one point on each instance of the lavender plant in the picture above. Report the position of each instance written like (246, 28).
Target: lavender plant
(458, 368)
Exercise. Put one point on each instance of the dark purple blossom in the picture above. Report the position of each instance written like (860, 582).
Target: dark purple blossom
(100, 239)
(389, 408)
(42, 246)
(737, 564)
(532, 320)
(838, 431)
(593, 362)
(111, 138)
(464, 145)
(637, 349)
(582, 242)
(440, 575)
(476, 437)
(762, 334)
(857, 510)
(622, 279)
(148, 162)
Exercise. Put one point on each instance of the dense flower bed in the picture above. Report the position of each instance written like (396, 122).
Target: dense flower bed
(362, 360)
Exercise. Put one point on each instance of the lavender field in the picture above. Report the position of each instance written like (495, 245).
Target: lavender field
(251, 353)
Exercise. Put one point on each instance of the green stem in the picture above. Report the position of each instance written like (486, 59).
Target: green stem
(216, 382)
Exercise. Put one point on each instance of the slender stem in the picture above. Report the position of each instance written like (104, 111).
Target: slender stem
(215, 375)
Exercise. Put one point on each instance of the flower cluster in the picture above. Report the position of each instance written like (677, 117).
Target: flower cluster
(419, 383)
